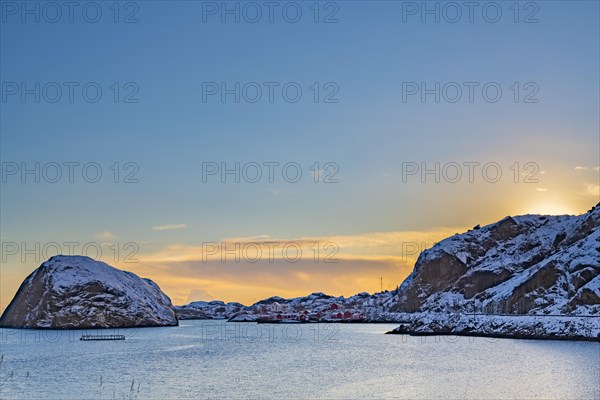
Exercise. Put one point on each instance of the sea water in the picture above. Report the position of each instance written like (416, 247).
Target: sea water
(218, 359)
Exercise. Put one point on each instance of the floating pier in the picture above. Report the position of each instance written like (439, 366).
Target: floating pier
(102, 337)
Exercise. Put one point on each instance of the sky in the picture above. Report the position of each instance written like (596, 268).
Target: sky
(154, 134)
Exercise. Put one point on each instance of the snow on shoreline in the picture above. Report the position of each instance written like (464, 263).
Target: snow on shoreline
(511, 326)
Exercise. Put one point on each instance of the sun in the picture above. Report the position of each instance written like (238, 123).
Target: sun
(550, 208)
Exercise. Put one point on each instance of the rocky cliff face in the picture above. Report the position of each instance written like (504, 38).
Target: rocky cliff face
(76, 292)
(530, 264)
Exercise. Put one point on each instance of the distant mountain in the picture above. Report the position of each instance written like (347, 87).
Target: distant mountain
(208, 310)
(318, 306)
(76, 292)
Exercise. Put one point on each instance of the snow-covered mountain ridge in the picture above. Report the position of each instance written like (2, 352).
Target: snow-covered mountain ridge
(362, 307)
(530, 264)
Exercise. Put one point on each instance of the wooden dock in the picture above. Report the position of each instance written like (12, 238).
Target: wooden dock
(102, 337)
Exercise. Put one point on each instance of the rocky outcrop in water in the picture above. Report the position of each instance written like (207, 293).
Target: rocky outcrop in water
(76, 292)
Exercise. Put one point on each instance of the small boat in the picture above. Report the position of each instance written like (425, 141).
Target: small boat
(102, 337)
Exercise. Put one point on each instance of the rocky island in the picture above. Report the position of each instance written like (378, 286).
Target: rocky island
(77, 292)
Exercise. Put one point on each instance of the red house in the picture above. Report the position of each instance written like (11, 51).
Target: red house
(334, 307)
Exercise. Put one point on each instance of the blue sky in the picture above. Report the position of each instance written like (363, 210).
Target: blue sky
(368, 133)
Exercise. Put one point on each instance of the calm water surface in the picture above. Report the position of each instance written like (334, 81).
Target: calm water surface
(215, 359)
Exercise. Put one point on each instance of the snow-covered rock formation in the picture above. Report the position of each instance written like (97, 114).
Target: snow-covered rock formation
(526, 265)
(76, 292)
(215, 309)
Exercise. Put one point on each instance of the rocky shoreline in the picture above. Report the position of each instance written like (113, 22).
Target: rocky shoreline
(539, 327)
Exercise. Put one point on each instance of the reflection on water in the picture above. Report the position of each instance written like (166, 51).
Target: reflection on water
(216, 359)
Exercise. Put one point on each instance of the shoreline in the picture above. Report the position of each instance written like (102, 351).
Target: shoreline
(407, 326)
(397, 331)
(497, 335)
(50, 328)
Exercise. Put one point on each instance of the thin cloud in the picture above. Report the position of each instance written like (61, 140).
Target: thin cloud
(593, 190)
(105, 235)
(542, 189)
(369, 246)
(581, 168)
(171, 227)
